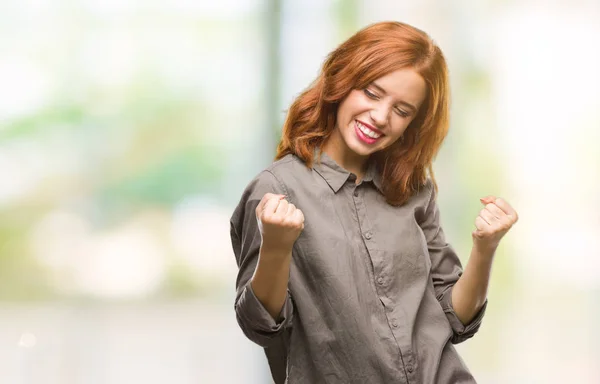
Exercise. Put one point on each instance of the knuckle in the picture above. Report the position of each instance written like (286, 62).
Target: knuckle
(267, 218)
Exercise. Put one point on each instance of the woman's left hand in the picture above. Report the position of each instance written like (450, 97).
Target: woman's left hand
(493, 222)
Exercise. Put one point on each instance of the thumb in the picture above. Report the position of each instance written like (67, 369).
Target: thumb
(487, 199)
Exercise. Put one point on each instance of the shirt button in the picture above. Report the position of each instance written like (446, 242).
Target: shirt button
(356, 192)
(380, 280)
(409, 368)
(395, 324)
(368, 235)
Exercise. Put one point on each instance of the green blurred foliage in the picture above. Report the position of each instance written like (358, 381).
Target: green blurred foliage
(21, 276)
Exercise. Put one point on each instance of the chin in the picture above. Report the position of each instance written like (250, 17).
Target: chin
(361, 150)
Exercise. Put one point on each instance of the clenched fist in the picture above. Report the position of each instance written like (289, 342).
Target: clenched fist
(280, 223)
(493, 222)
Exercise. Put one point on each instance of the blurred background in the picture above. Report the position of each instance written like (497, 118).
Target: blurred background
(128, 130)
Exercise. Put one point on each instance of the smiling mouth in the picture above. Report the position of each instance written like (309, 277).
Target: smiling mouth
(368, 131)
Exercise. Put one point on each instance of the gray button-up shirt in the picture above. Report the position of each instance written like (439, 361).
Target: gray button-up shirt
(369, 295)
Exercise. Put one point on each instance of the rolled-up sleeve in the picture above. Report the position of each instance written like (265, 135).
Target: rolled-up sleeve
(446, 269)
(461, 332)
(254, 320)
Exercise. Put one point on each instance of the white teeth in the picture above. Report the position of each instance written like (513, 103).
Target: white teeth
(367, 131)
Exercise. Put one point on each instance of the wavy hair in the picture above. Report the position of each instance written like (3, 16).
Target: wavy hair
(368, 55)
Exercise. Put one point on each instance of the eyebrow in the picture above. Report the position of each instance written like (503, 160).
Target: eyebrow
(408, 105)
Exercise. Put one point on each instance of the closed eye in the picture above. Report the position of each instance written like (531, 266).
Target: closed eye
(370, 94)
(402, 112)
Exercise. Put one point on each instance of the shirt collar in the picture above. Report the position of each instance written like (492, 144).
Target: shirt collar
(336, 176)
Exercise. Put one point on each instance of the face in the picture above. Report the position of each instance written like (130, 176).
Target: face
(371, 119)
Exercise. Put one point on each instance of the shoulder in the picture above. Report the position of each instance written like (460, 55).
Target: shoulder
(428, 189)
(274, 178)
(424, 199)
(288, 167)
(424, 193)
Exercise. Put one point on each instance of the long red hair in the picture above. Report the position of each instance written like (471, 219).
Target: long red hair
(366, 56)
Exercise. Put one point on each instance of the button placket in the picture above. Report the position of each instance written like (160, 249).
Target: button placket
(369, 245)
(394, 315)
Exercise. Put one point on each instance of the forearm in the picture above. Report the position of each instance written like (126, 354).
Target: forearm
(470, 291)
(271, 277)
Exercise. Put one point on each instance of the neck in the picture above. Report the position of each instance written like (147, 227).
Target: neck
(335, 148)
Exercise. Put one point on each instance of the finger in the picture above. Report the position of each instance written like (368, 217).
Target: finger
(290, 210)
(504, 206)
(487, 199)
(272, 204)
(263, 202)
(480, 224)
(298, 216)
(494, 210)
(488, 216)
(282, 208)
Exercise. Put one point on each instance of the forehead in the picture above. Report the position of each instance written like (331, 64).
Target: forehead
(405, 84)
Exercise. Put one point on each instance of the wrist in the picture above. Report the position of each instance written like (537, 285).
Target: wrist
(486, 251)
(274, 251)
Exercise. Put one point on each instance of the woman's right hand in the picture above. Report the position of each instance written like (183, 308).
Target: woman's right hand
(280, 223)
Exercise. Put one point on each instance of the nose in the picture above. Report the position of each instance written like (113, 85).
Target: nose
(380, 115)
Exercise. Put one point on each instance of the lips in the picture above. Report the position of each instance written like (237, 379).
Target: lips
(370, 127)
(364, 130)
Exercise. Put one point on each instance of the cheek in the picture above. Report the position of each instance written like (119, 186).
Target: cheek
(399, 127)
(353, 106)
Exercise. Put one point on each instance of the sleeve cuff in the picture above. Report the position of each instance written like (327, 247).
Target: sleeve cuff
(256, 316)
(461, 332)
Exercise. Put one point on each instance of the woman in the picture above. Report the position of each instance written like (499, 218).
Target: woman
(345, 275)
